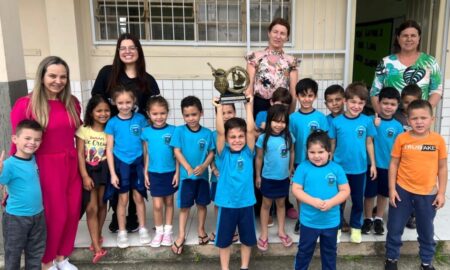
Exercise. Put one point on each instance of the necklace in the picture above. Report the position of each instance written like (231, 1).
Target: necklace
(277, 53)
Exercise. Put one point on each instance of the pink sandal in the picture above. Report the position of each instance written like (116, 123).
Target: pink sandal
(285, 240)
(99, 255)
(263, 245)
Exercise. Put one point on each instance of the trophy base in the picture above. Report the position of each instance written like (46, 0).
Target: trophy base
(232, 98)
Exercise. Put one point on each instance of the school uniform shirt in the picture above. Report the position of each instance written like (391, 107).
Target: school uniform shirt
(195, 146)
(350, 135)
(387, 132)
(276, 157)
(235, 185)
(301, 125)
(320, 182)
(161, 158)
(261, 117)
(330, 118)
(21, 177)
(94, 144)
(127, 136)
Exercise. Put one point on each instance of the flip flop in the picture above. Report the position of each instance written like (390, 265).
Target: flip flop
(203, 240)
(263, 245)
(212, 237)
(99, 255)
(178, 248)
(285, 240)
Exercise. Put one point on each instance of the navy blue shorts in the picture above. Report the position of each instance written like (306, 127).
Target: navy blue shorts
(213, 190)
(131, 176)
(274, 189)
(161, 184)
(379, 186)
(228, 219)
(193, 191)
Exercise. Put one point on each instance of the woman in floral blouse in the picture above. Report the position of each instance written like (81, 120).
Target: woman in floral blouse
(272, 68)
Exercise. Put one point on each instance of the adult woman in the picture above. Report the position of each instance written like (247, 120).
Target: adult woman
(128, 69)
(52, 105)
(408, 66)
(272, 68)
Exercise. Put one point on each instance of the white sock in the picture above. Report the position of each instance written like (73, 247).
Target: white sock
(168, 228)
(380, 218)
(159, 229)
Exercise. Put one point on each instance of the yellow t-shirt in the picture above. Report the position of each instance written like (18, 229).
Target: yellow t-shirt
(94, 144)
(418, 168)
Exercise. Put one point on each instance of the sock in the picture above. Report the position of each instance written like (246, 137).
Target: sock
(168, 228)
(380, 218)
(159, 229)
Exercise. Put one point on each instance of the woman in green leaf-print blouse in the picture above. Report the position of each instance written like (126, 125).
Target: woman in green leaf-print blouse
(408, 66)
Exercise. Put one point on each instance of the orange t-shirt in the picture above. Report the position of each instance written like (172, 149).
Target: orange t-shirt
(418, 168)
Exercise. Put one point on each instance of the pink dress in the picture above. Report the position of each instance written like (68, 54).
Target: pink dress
(60, 179)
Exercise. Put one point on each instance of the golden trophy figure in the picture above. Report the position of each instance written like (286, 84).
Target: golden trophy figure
(234, 93)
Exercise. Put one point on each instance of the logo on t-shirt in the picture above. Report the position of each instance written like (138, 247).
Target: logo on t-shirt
(202, 144)
(167, 138)
(283, 151)
(420, 147)
(360, 131)
(240, 164)
(313, 126)
(331, 178)
(390, 132)
(135, 129)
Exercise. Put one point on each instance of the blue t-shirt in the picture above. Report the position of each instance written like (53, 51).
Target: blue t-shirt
(235, 185)
(276, 157)
(21, 177)
(320, 182)
(387, 132)
(301, 125)
(261, 117)
(350, 135)
(127, 136)
(195, 146)
(330, 118)
(160, 153)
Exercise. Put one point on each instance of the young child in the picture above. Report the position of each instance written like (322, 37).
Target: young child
(334, 100)
(305, 120)
(417, 183)
(161, 167)
(320, 185)
(235, 196)
(387, 131)
(276, 148)
(280, 96)
(351, 136)
(23, 221)
(125, 161)
(91, 147)
(193, 149)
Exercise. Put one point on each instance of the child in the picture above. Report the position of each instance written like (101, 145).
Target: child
(409, 93)
(235, 196)
(305, 120)
(161, 167)
(229, 111)
(276, 147)
(91, 147)
(280, 96)
(193, 149)
(125, 161)
(23, 221)
(351, 142)
(417, 183)
(334, 100)
(387, 130)
(320, 185)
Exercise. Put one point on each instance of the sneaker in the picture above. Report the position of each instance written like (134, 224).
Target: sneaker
(167, 239)
(53, 267)
(65, 265)
(345, 226)
(297, 227)
(157, 239)
(426, 267)
(390, 265)
(367, 226)
(411, 224)
(144, 237)
(355, 235)
(132, 224)
(378, 226)
(113, 226)
(292, 213)
(338, 239)
(122, 239)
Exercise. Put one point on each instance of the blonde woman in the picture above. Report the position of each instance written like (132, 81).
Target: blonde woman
(52, 105)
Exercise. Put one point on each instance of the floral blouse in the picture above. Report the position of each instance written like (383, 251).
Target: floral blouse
(424, 72)
(269, 76)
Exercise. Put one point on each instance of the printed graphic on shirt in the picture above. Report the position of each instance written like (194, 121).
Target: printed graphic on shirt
(331, 178)
(135, 129)
(167, 138)
(240, 164)
(283, 150)
(420, 147)
(360, 131)
(313, 126)
(202, 144)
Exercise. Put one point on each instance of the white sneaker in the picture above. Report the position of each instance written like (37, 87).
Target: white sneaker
(53, 267)
(338, 239)
(167, 240)
(157, 240)
(122, 239)
(65, 265)
(144, 237)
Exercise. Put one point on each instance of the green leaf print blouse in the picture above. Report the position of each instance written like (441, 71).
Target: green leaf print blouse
(424, 72)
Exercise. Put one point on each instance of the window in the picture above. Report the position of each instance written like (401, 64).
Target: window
(194, 21)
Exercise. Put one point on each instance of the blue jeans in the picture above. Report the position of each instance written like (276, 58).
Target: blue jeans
(425, 212)
(307, 244)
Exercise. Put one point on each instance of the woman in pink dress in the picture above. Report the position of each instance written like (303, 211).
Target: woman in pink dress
(53, 106)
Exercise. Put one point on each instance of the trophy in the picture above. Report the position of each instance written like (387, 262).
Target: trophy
(240, 80)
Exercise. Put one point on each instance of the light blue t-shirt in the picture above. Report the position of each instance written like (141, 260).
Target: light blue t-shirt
(195, 146)
(160, 153)
(387, 132)
(350, 135)
(301, 125)
(127, 136)
(261, 117)
(276, 157)
(21, 177)
(330, 118)
(235, 185)
(320, 182)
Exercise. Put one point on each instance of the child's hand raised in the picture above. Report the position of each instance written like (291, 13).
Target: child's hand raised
(377, 120)
(216, 102)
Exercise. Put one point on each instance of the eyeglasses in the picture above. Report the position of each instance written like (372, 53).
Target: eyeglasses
(130, 48)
